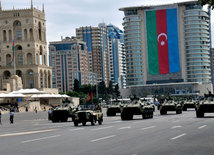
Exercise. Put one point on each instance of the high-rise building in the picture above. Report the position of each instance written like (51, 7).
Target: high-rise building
(167, 43)
(69, 59)
(96, 39)
(117, 57)
(25, 30)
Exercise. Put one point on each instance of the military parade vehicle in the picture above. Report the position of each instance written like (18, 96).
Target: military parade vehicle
(113, 108)
(170, 105)
(189, 103)
(88, 113)
(63, 112)
(206, 105)
(136, 107)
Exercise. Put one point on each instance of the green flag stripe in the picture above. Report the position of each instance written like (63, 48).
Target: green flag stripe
(152, 44)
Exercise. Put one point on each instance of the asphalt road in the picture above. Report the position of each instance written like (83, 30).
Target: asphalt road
(183, 134)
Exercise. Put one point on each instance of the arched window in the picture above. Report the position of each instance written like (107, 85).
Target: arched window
(10, 35)
(30, 78)
(41, 56)
(31, 35)
(25, 34)
(37, 58)
(8, 60)
(29, 59)
(45, 60)
(20, 59)
(19, 73)
(4, 35)
(18, 48)
(49, 79)
(41, 79)
(40, 31)
(6, 75)
(45, 79)
(17, 29)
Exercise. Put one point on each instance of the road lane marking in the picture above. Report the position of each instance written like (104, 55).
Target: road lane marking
(148, 128)
(176, 121)
(203, 126)
(26, 133)
(184, 134)
(102, 128)
(103, 138)
(126, 127)
(174, 127)
(77, 129)
(33, 140)
(118, 121)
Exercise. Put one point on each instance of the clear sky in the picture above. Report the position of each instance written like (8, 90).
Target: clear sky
(63, 16)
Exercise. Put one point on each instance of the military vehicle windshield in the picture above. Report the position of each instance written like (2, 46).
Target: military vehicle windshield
(86, 107)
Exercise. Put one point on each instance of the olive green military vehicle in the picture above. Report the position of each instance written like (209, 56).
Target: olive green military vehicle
(190, 103)
(205, 106)
(63, 112)
(136, 107)
(170, 105)
(88, 113)
(113, 108)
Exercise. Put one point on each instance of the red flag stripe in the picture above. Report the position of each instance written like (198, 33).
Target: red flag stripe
(163, 56)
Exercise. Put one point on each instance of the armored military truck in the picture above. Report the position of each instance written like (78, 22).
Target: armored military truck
(136, 107)
(189, 103)
(113, 108)
(63, 112)
(206, 105)
(170, 105)
(88, 113)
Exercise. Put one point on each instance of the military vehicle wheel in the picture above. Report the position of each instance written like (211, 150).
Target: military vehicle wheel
(64, 119)
(83, 123)
(144, 115)
(93, 121)
(110, 113)
(100, 122)
(75, 123)
(130, 117)
(199, 114)
(163, 112)
(184, 109)
(54, 119)
(151, 114)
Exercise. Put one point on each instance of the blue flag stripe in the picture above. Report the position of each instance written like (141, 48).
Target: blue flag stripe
(172, 33)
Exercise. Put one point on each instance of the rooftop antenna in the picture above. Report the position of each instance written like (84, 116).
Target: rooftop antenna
(31, 4)
(43, 7)
(0, 6)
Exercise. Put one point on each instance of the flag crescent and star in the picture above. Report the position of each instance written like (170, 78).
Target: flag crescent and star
(162, 41)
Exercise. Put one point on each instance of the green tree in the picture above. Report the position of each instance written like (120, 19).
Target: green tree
(209, 2)
(102, 90)
(87, 89)
(76, 85)
(110, 88)
(116, 90)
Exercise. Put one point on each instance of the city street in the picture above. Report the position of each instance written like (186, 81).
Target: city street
(170, 134)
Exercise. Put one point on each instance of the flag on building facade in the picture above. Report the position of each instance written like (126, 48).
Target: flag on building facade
(162, 41)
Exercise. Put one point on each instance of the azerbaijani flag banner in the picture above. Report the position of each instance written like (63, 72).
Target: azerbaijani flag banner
(162, 41)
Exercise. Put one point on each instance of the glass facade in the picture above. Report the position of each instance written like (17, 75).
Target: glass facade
(197, 44)
(133, 42)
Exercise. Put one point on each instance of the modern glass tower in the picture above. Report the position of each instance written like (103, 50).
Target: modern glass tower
(96, 39)
(197, 44)
(167, 43)
(117, 58)
(69, 59)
